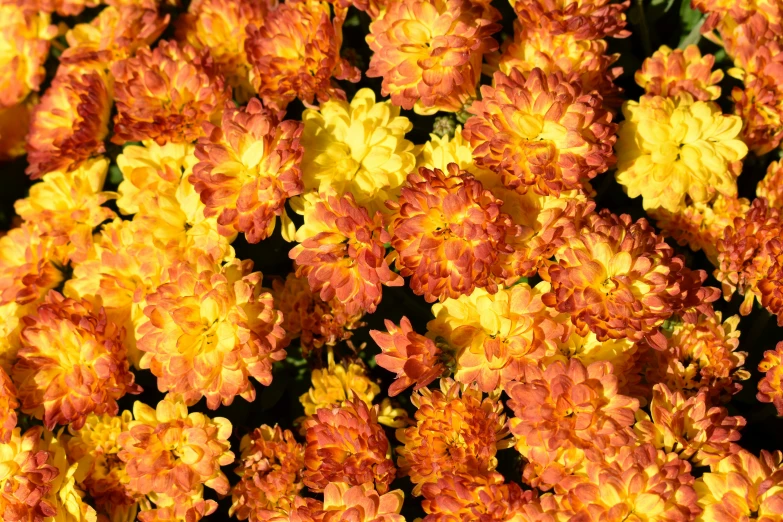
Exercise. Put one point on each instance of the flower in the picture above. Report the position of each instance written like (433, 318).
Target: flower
(72, 362)
(415, 359)
(71, 122)
(10, 328)
(29, 265)
(771, 186)
(358, 148)
(26, 482)
(690, 427)
(457, 431)
(439, 151)
(294, 53)
(585, 19)
(362, 503)
(61, 7)
(458, 498)
(307, 317)
(189, 508)
(166, 94)
(346, 444)
(565, 414)
(65, 495)
(208, 329)
(248, 167)
(447, 231)
(770, 389)
(170, 452)
(341, 252)
(25, 36)
(270, 471)
(495, 335)
(540, 130)
(670, 73)
(760, 105)
(429, 53)
(336, 384)
(742, 486)
(672, 148)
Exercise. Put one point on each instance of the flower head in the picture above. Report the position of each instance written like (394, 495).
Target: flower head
(342, 501)
(771, 385)
(585, 19)
(337, 383)
(760, 105)
(66, 496)
(429, 53)
(30, 265)
(458, 498)
(8, 406)
(670, 73)
(26, 482)
(771, 186)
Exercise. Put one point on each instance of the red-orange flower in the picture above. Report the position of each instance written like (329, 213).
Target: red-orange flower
(166, 94)
(341, 252)
(346, 444)
(8, 405)
(541, 130)
(248, 167)
(448, 232)
(585, 19)
(429, 53)
(672, 72)
(295, 53)
(771, 386)
(72, 363)
(455, 498)
(26, 481)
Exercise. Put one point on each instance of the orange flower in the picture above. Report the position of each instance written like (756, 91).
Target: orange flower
(295, 52)
(29, 265)
(447, 231)
(455, 498)
(191, 508)
(671, 72)
(566, 413)
(166, 94)
(429, 53)
(248, 167)
(172, 453)
(346, 444)
(541, 130)
(270, 470)
(61, 7)
(71, 122)
(309, 318)
(690, 427)
(208, 329)
(771, 186)
(585, 19)
(770, 386)
(414, 358)
(8, 405)
(27, 478)
(72, 363)
(760, 105)
(345, 502)
(341, 252)
(453, 413)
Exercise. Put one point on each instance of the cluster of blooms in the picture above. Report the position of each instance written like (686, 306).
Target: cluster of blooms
(574, 340)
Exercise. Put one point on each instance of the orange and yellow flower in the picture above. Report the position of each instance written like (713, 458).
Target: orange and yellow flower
(72, 362)
(458, 498)
(670, 73)
(429, 53)
(541, 130)
(336, 384)
(771, 385)
(8, 405)
(26, 481)
(342, 501)
(771, 186)
(248, 167)
(585, 19)
(66, 496)
(30, 265)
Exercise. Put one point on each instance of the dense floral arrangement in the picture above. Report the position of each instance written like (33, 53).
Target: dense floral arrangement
(389, 260)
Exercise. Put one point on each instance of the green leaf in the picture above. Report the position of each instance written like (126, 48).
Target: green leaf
(115, 175)
(689, 17)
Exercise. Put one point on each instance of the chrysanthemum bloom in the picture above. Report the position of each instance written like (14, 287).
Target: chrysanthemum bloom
(208, 329)
(448, 231)
(166, 94)
(295, 52)
(337, 383)
(8, 405)
(71, 122)
(454, 497)
(438, 152)
(66, 496)
(670, 73)
(307, 317)
(415, 359)
(700, 225)
(760, 105)
(183, 508)
(701, 355)
(25, 37)
(248, 167)
(641, 484)
(10, 327)
(358, 148)
(672, 148)
(270, 471)
(567, 54)
(495, 335)
(346, 444)
(771, 186)
(585, 19)
(115, 34)
(219, 25)
(27, 477)
(29, 265)
(429, 53)
(743, 487)
(566, 413)
(72, 363)
(68, 206)
(541, 130)
(170, 452)
(690, 427)
(746, 252)
(61, 7)
(770, 386)
(345, 502)
(457, 431)
(341, 252)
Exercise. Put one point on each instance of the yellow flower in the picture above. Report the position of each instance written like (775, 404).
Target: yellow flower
(338, 383)
(358, 148)
(65, 495)
(440, 151)
(670, 148)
